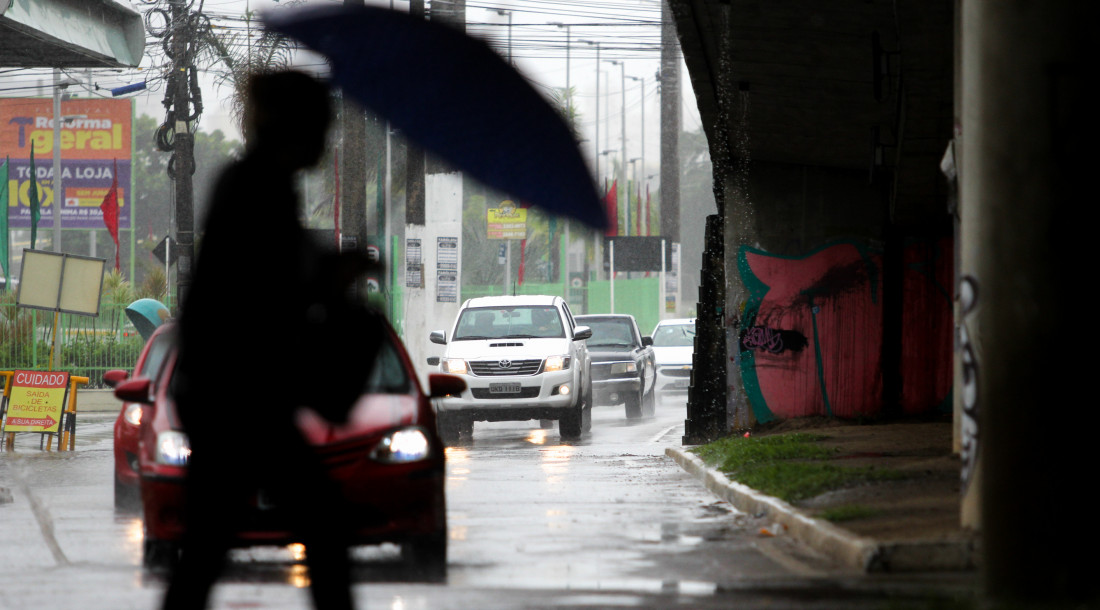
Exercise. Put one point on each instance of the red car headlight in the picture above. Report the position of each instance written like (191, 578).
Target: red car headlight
(402, 446)
(132, 414)
(173, 448)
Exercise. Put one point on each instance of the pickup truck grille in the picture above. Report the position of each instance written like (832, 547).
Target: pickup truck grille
(494, 368)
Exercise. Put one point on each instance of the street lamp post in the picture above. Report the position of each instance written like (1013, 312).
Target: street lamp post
(509, 14)
(641, 80)
(622, 137)
(596, 147)
(569, 98)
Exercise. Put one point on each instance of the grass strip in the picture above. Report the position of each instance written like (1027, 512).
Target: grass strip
(790, 467)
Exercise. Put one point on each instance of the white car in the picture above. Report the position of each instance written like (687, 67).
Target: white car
(523, 357)
(673, 344)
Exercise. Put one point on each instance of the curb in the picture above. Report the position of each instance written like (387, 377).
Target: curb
(97, 401)
(849, 549)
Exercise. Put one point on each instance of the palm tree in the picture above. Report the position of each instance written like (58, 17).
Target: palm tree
(245, 52)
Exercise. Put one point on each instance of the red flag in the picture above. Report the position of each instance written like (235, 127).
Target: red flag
(336, 197)
(110, 212)
(522, 251)
(611, 201)
(522, 260)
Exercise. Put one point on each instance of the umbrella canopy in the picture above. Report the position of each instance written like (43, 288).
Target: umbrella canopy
(147, 315)
(454, 96)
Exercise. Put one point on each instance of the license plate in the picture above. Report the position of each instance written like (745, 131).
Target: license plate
(504, 388)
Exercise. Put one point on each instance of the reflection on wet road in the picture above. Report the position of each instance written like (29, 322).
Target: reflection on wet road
(533, 523)
(529, 511)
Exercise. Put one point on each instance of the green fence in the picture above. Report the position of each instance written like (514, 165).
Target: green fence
(89, 345)
(636, 296)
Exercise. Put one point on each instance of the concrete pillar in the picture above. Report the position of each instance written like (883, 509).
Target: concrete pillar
(1026, 133)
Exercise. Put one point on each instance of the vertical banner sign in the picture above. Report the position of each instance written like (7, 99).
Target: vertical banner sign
(446, 270)
(672, 280)
(36, 401)
(414, 264)
(97, 133)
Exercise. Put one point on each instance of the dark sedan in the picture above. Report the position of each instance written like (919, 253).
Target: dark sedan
(623, 369)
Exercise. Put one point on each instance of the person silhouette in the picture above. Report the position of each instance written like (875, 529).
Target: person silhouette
(239, 418)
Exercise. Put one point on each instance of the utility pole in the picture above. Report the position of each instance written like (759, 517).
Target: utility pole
(414, 159)
(643, 224)
(669, 77)
(181, 166)
(622, 140)
(353, 175)
(554, 243)
(596, 146)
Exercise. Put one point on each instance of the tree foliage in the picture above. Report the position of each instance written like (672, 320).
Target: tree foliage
(153, 191)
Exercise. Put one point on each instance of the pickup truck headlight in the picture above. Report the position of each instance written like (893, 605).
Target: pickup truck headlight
(619, 368)
(173, 448)
(556, 363)
(402, 446)
(454, 366)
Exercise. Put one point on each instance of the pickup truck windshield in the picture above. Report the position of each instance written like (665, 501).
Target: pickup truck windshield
(531, 322)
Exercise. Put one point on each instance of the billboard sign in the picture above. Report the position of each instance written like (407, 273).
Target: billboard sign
(507, 221)
(98, 133)
(636, 253)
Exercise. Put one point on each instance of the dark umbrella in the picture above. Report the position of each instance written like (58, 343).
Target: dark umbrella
(454, 96)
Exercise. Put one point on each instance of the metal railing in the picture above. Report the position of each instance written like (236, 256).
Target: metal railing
(89, 345)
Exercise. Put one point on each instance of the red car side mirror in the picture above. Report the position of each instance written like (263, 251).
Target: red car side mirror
(135, 390)
(114, 377)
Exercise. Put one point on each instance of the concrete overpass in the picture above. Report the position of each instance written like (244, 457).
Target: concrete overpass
(70, 34)
(896, 185)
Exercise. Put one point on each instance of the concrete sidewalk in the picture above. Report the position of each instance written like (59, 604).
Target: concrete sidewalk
(97, 401)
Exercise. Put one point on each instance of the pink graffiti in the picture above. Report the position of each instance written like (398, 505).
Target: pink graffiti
(764, 339)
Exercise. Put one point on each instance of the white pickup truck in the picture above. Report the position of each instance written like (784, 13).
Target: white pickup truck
(523, 357)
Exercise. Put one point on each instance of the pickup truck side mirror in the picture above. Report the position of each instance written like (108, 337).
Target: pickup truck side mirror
(647, 341)
(582, 332)
(438, 336)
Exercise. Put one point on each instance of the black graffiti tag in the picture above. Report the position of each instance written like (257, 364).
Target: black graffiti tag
(968, 298)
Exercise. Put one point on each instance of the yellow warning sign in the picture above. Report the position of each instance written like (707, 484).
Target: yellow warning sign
(36, 401)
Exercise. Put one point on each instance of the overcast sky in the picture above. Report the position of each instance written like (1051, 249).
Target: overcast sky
(626, 30)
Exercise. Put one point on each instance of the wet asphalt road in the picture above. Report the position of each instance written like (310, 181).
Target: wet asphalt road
(604, 522)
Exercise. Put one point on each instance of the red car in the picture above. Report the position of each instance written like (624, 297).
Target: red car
(388, 460)
(127, 489)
